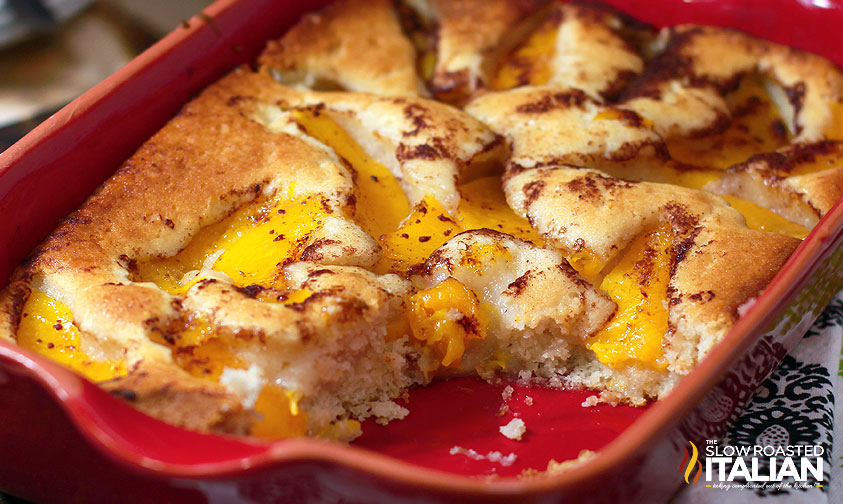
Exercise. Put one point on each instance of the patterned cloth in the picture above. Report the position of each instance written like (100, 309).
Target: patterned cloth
(794, 407)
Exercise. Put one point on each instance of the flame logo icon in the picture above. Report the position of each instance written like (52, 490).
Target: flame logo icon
(692, 464)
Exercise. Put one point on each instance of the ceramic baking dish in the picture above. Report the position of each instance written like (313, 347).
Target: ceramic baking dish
(64, 439)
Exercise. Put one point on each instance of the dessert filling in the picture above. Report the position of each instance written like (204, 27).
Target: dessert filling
(47, 327)
(638, 285)
(249, 248)
(530, 61)
(755, 126)
(342, 247)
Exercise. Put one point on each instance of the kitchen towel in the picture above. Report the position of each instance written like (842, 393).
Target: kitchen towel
(796, 406)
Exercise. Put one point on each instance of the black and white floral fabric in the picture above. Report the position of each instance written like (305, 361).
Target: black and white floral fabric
(796, 406)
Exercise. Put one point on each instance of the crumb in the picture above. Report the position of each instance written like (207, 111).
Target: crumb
(590, 401)
(554, 467)
(500, 458)
(507, 393)
(528, 400)
(459, 450)
(514, 429)
(492, 456)
(388, 410)
(605, 397)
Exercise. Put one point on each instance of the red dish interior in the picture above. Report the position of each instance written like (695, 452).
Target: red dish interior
(50, 173)
(810, 25)
(467, 413)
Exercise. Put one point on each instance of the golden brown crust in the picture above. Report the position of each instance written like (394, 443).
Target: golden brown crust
(801, 182)
(548, 125)
(12, 299)
(430, 147)
(239, 142)
(338, 293)
(699, 64)
(208, 160)
(529, 286)
(568, 157)
(721, 270)
(583, 209)
(356, 45)
(165, 393)
(592, 53)
(717, 261)
(469, 36)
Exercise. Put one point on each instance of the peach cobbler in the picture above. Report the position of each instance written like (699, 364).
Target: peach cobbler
(407, 191)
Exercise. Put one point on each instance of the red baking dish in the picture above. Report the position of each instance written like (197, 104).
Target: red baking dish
(64, 439)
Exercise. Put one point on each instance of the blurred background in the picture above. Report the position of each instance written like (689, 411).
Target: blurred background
(51, 51)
